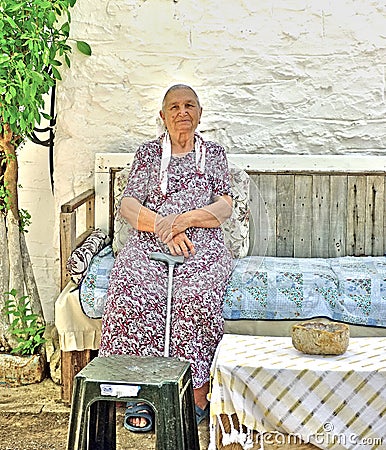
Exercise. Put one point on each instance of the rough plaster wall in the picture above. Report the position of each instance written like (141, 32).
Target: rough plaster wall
(274, 76)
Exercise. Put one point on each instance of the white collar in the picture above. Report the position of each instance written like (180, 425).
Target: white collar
(199, 149)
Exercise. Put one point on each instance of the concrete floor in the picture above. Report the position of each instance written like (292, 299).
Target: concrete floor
(38, 410)
(33, 417)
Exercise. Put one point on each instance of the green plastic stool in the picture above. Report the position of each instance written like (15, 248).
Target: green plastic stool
(164, 383)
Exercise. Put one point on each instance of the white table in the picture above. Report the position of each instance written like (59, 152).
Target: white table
(334, 402)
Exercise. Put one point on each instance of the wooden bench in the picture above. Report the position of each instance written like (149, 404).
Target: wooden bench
(301, 206)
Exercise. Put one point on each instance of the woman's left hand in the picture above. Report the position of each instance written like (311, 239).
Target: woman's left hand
(181, 245)
(166, 228)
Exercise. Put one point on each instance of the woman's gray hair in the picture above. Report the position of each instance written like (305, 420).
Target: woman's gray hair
(175, 88)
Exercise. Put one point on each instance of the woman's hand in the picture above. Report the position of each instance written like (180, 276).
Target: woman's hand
(181, 245)
(171, 231)
(166, 228)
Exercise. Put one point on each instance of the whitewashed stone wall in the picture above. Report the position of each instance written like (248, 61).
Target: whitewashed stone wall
(274, 76)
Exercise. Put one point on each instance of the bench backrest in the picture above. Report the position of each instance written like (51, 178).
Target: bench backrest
(301, 205)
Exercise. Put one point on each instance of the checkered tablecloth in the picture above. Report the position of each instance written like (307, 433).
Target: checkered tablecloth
(334, 402)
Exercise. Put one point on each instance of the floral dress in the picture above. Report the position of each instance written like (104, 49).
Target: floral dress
(135, 312)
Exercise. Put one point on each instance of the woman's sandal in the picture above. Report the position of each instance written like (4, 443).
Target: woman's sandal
(201, 414)
(140, 410)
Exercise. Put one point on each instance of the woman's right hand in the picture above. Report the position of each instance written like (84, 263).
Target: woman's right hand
(181, 245)
(168, 227)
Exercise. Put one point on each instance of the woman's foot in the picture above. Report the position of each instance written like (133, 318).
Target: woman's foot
(201, 402)
(201, 414)
(139, 417)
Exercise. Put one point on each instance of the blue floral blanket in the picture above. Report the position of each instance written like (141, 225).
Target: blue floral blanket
(348, 289)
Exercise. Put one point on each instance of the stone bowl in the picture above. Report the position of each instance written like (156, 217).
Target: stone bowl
(318, 338)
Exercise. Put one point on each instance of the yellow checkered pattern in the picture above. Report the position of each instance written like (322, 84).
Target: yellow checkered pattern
(334, 402)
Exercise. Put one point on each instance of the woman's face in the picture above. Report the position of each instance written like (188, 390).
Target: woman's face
(181, 112)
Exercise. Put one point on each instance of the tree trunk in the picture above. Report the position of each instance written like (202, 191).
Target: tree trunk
(11, 168)
(15, 265)
(4, 260)
(12, 220)
(4, 285)
(16, 274)
(30, 282)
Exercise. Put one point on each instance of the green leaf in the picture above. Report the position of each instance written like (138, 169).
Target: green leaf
(4, 58)
(66, 28)
(12, 91)
(37, 77)
(83, 47)
(28, 330)
(11, 21)
(55, 73)
(46, 56)
(15, 7)
(30, 317)
(12, 292)
(51, 19)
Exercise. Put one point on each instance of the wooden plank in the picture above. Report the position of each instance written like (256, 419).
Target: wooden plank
(375, 191)
(67, 243)
(90, 214)
(285, 215)
(320, 216)
(102, 199)
(267, 187)
(72, 363)
(106, 161)
(356, 215)
(338, 216)
(105, 165)
(254, 215)
(263, 215)
(111, 203)
(69, 239)
(322, 164)
(302, 226)
(269, 163)
(77, 201)
(384, 217)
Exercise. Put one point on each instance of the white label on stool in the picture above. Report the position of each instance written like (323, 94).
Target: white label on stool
(119, 390)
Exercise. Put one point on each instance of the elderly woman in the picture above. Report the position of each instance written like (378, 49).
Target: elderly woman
(176, 198)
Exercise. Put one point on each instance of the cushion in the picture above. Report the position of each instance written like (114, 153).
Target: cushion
(78, 263)
(121, 226)
(93, 290)
(236, 228)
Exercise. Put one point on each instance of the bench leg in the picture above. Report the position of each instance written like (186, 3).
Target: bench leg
(71, 364)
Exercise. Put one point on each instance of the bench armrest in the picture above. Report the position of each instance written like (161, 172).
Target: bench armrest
(70, 237)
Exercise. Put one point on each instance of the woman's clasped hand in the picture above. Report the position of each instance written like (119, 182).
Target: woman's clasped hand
(171, 231)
